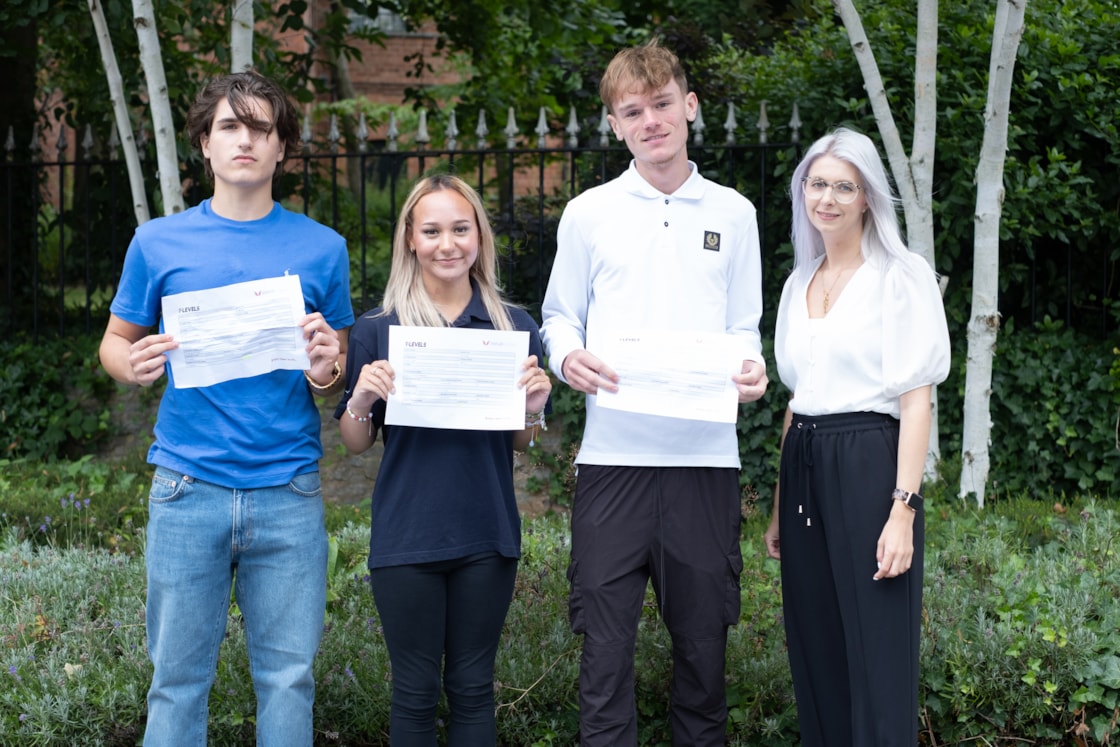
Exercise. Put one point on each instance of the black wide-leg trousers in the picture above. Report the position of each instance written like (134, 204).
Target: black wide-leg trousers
(853, 641)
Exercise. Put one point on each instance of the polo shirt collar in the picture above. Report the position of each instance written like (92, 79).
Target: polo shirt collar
(476, 309)
(692, 189)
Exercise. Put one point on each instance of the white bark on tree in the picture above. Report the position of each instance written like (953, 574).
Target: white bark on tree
(983, 326)
(241, 36)
(159, 101)
(120, 113)
(913, 175)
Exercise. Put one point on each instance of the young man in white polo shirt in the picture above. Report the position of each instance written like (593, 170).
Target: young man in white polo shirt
(657, 498)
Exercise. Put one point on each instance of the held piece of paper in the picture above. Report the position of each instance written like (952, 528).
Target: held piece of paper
(239, 330)
(457, 378)
(673, 373)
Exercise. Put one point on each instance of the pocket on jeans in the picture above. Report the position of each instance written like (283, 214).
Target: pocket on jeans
(167, 486)
(307, 485)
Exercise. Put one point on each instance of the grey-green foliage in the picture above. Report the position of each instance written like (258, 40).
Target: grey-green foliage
(1019, 640)
(1022, 625)
(75, 666)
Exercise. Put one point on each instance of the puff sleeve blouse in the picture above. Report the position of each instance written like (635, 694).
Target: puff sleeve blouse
(884, 336)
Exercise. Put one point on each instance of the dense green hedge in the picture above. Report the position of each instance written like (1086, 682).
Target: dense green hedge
(52, 398)
(1063, 152)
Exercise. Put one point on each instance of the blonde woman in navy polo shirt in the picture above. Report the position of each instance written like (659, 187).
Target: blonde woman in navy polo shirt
(445, 534)
(860, 339)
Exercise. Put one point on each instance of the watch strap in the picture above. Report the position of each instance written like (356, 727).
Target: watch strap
(913, 501)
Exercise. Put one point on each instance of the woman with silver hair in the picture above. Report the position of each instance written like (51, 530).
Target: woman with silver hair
(860, 340)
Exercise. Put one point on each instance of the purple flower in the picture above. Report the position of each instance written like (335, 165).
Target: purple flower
(24, 716)
(86, 503)
(15, 673)
(350, 673)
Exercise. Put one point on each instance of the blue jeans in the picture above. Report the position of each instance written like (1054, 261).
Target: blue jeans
(199, 534)
(444, 617)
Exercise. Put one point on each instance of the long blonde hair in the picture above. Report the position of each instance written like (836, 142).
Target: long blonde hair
(405, 293)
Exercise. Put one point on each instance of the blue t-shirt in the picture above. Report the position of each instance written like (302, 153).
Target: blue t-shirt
(245, 433)
(440, 493)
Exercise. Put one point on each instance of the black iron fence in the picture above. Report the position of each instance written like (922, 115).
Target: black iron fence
(65, 224)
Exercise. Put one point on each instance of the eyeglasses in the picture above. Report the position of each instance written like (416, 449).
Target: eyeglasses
(842, 192)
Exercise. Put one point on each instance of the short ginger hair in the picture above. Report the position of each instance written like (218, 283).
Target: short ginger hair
(648, 67)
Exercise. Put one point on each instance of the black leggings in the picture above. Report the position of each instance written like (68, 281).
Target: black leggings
(448, 617)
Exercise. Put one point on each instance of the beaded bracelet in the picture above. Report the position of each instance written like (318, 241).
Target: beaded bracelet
(360, 419)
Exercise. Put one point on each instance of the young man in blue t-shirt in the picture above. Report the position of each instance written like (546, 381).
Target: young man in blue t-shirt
(235, 496)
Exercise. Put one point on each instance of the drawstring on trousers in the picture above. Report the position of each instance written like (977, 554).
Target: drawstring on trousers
(808, 426)
(807, 460)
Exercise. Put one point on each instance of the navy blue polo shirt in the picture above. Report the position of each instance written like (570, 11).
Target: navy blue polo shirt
(440, 493)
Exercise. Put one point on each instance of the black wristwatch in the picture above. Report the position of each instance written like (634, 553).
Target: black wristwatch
(913, 501)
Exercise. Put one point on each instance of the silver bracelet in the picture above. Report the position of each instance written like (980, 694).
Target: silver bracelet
(535, 420)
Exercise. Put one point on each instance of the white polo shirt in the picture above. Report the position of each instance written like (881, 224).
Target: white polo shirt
(632, 257)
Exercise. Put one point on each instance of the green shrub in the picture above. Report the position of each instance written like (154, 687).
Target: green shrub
(52, 398)
(82, 504)
(1018, 645)
(1021, 636)
(1055, 400)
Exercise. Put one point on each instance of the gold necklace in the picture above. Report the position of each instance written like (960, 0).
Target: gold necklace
(828, 290)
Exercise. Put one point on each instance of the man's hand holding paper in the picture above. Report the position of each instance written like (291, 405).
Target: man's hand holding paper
(236, 331)
(678, 374)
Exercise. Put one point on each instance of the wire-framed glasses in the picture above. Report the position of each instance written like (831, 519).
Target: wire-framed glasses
(843, 192)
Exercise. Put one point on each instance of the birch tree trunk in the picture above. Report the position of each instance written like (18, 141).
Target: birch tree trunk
(914, 175)
(159, 101)
(241, 36)
(983, 326)
(120, 113)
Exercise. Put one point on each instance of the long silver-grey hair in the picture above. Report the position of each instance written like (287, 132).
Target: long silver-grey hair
(882, 237)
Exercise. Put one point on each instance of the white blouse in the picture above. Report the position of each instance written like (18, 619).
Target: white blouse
(884, 336)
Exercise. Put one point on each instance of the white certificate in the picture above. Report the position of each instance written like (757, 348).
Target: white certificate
(239, 330)
(448, 377)
(676, 374)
